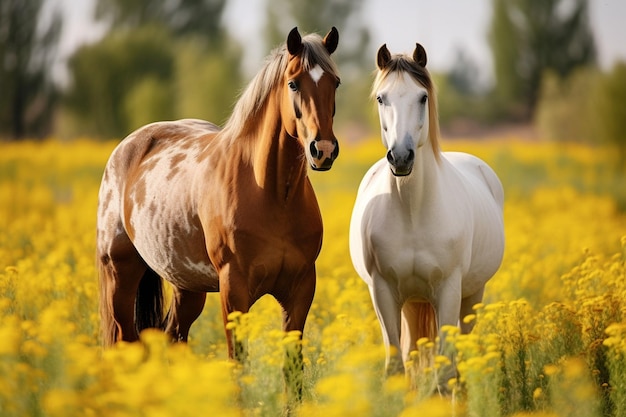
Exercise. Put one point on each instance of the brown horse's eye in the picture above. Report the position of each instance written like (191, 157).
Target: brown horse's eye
(292, 85)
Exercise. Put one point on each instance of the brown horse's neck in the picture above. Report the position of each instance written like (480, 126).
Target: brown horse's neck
(278, 159)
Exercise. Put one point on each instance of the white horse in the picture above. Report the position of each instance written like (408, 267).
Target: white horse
(427, 226)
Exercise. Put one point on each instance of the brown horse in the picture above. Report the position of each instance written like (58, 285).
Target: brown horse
(228, 210)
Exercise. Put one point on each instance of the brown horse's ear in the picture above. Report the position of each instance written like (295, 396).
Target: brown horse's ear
(331, 40)
(294, 42)
(383, 57)
(419, 55)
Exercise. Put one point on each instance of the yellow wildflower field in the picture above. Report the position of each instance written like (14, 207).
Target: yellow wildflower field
(550, 336)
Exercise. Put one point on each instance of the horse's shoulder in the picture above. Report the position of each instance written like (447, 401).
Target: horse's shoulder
(369, 179)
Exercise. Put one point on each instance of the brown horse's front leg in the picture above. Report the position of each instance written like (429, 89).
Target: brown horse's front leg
(235, 297)
(295, 310)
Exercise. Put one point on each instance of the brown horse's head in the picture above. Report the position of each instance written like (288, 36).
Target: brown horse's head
(308, 97)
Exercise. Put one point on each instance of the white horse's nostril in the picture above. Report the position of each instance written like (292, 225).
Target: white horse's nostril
(390, 157)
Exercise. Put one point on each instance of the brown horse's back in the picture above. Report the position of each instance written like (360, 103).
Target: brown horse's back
(146, 195)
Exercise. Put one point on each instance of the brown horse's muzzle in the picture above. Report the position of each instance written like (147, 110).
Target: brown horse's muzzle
(323, 154)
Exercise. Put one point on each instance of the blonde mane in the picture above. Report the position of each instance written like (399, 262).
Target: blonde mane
(255, 95)
(403, 63)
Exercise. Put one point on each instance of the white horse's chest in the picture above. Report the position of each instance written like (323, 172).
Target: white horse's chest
(416, 249)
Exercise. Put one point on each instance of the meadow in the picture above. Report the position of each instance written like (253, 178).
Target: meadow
(549, 340)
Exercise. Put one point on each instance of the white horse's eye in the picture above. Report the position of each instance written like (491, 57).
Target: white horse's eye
(424, 99)
(379, 99)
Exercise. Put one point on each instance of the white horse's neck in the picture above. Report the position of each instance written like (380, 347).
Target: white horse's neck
(421, 186)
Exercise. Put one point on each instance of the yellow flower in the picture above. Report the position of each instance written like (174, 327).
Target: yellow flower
(469, 318)
(550, 369)
(234, 315)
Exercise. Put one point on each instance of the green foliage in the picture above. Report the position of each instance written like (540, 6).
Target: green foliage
(183, 17)
(566, 110)
(161, 60)
(105, 73)
(206, 82)
(461, 107)
(612, 110)
(320, 16)
(148, 101)
(135, 77)
(588, 106)
(529, 37)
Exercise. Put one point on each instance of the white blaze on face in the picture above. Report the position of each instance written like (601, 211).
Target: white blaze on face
(316, 73)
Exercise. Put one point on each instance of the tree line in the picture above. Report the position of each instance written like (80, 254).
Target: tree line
(166, 60)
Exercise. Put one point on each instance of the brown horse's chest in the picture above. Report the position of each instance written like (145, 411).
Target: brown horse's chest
(269, 244)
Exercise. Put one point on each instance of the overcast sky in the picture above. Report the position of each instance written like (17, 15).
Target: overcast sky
(442, 26)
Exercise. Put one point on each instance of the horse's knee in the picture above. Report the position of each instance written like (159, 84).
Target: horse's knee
(394, 366)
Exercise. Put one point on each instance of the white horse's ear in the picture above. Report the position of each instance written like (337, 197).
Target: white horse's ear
(383, 57)
(419, 55)
(331, 40)
(294, 42)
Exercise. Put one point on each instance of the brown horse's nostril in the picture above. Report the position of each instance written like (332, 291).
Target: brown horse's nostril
(324, 148)
(335, 153)
(315, 153)
(324, 152)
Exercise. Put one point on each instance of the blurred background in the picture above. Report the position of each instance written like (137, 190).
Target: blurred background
(550, 69)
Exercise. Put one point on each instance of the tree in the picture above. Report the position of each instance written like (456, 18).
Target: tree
(106, 73)
(181, 17)
(161, 60)
(587, 106)
(27, 44)
(527, 38)
(611, 110)
(461, 96)
(567, 109)
(207, 83)
(320, 16)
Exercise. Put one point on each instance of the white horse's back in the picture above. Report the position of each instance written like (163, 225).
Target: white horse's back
(473, 166)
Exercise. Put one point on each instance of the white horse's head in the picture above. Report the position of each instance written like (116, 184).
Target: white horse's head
(406, 106)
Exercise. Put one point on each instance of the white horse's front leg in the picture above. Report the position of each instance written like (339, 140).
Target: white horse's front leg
(448, 301)
(448, 306)
(387, 306)
(467, 308)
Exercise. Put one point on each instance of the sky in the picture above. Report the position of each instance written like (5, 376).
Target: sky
(441, 26)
